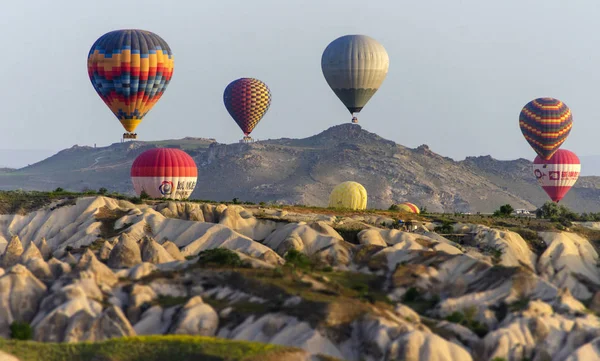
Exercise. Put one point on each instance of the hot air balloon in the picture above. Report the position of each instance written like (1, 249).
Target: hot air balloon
(354, 66)
(247, 100)
(408, 207)
(558, 174)
(348, 195)
(164, 173)
(545, 124)
(130, 70)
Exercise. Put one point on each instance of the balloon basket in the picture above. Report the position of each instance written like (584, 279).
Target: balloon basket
(247, 140)
(354, 120)
(130, 136)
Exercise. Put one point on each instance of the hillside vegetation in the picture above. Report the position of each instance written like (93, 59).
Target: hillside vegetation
(148, 348)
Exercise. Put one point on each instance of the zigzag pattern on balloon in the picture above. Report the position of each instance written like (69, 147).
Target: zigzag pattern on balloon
(130, 70)
(545, 124)
(247, 100)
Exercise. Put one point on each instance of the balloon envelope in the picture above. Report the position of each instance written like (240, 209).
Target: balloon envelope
(558, 174)
(409, 207)
(350, 195)
(247, 100)
(164, 173)
(130, 70)
(545, 124)
(355, 66)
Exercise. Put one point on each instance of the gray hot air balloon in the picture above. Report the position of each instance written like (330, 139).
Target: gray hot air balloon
(354, 67)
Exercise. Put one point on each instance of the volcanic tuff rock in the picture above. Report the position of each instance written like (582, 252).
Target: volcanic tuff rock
(363, 293)
(125, 254)
(20, 295)
(196, 318)
(153, 252)
(304, 171)
(12, 253)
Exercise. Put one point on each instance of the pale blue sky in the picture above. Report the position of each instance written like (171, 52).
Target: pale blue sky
(460, 71)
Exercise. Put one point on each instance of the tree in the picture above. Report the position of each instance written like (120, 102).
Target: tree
(548, 211)
(144, 195)
(558, 213)
(102, 191)
(504, 211)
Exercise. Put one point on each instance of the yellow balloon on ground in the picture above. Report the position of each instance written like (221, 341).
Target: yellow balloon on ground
(348, 195)
(408, 207)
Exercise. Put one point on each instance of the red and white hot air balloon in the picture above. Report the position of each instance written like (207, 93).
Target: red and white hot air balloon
(164, 173)
(557, 174)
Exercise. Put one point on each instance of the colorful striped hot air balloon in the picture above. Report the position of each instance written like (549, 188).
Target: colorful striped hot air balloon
(408, 207)
(130, 70)
(247, 100)
(355, 66)
(164, 173)
(558, 174)
(545, 124)
(350, 195)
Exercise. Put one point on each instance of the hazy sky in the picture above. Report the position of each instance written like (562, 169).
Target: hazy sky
(460, 71)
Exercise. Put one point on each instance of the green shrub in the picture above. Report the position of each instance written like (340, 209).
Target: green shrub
(411, 295)
(135, 200)
(478, 328)
(21, 331)
(102, 191)
(361, 288)
(468, 320)
(446, 227)
(277, 272)
(298, 259)
(536, 243)
(455, 317)
(220, 257)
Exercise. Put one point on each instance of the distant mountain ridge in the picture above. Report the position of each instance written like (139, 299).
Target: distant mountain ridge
(304, 171)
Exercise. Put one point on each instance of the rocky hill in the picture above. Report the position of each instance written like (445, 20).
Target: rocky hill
(304, 171)
(344, 285)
